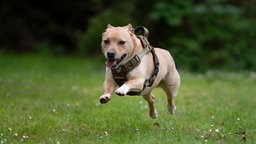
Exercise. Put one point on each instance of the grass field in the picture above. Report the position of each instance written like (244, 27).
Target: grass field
(56, 100)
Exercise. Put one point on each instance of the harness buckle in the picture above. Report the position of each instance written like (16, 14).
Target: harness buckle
(135, 61)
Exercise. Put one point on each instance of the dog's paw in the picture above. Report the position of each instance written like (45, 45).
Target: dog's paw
(123, 90)
(171, 109)
(105, 98)
(153, 115)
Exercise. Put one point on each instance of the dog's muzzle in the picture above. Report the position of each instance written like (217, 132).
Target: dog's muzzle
(111, 55)
(113, 62)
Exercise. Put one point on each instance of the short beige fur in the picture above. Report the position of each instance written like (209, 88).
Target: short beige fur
(123, 42)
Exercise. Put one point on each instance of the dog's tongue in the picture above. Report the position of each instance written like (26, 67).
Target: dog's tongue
(110, 63)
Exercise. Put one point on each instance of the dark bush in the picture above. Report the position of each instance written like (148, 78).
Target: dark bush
(208, 35)
(200, 34)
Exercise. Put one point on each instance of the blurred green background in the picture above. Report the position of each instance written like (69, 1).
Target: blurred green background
(201, 34)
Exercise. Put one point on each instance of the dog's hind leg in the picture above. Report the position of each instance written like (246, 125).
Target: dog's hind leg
(171, 90)
(171, 104)
(150, 99)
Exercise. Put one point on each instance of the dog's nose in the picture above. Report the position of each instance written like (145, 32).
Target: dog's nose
(111, 55)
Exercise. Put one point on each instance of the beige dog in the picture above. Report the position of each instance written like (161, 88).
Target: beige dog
(119, 46)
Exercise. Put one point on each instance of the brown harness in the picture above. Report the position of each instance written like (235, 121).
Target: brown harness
(120, 73)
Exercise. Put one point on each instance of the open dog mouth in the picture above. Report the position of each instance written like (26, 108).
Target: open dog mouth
(113, 63)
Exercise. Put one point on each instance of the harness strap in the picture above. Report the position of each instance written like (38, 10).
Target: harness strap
(119, 73)
(149, 82)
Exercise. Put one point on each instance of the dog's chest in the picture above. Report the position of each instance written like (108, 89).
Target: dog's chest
(119, 75)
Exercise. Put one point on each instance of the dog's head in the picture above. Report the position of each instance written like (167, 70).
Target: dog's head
(118, 45)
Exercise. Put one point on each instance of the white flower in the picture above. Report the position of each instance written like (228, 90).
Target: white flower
(15, 134)
(238, 119)
(137, 130)
(106, 133)
(53, 110)
(216, 130)
(10, 129)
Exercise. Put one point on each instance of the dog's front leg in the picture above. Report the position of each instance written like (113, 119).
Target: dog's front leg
(131, 85)
(109, 87)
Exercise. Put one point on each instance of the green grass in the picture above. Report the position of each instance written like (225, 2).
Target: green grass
(56, 100)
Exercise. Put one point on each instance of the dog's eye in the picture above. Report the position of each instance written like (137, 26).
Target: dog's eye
(121, 42)
(106, 41)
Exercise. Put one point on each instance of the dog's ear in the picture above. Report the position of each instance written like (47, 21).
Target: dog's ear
(130, 28)
(109, 26)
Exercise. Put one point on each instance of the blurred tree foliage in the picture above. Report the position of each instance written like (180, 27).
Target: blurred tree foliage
(200, 34)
